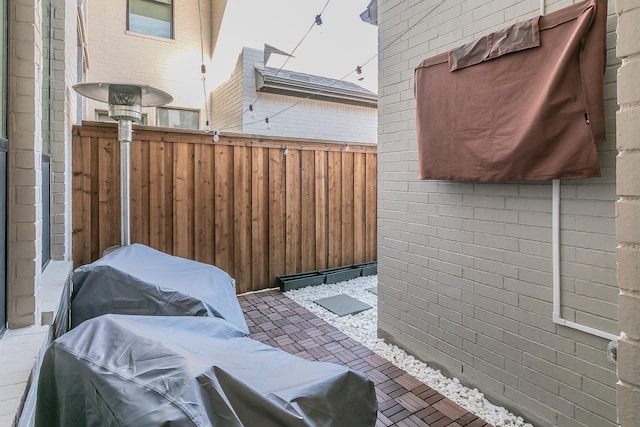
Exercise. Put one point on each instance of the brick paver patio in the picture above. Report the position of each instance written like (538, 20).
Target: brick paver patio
(403, 400)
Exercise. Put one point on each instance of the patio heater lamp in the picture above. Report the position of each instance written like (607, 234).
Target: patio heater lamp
(125, 105)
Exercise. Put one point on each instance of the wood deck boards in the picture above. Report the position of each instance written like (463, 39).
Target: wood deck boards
(403, 400)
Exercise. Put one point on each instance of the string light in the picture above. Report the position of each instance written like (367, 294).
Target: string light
(317, 21)
(358, 69)
(286, 150)
(203, 71)
(267, 125)
(252, 111)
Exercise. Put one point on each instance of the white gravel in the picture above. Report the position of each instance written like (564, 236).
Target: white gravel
(363, 328)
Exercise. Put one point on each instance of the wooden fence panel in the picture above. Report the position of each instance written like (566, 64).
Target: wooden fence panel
(108, 192)
(223, 220)
(308, 208)
(334, 212)
(204, 203)
(347, 243)
(359, 212)
(248, 205)
(321, 217)
(182, 202)
(277, 212)
(242, 249)
(293, 241)
(371, 207)
(260, 219)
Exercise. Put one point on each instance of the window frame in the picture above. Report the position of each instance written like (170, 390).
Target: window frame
(4, 152)
(191, 110)
(159, 3)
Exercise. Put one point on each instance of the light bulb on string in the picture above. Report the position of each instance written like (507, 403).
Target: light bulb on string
(252, 111)
(267, 125)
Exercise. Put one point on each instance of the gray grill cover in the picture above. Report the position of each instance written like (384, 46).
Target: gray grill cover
(118, 370)
(137, 279)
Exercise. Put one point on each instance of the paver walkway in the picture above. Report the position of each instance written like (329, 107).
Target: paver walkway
(403, 400)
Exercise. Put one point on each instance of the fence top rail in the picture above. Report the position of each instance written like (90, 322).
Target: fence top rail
(171, 135)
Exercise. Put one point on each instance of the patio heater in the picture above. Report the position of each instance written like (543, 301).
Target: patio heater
(125, 105)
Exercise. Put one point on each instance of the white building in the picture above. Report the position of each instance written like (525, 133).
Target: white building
(296, 105)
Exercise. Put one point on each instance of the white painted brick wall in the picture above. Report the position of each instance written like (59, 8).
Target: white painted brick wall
(24, 223)
(465, 269)
(117, 55)
(63, 108)
(628, 256)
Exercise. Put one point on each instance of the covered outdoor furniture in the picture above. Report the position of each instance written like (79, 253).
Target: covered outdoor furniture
(122, 370)
(136, 279)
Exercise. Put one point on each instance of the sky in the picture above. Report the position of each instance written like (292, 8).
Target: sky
(333, 49)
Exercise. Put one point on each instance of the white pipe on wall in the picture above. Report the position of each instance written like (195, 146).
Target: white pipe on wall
(555, 239)
(555, 230)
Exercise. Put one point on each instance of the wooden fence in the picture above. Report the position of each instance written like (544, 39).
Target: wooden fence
(254, 207)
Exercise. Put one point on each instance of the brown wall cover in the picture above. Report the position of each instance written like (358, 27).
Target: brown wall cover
(523, 103)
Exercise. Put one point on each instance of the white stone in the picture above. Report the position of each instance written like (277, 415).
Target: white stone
(363, 328)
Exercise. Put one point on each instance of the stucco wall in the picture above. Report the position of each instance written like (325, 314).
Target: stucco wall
(308, 118)
(465, 270)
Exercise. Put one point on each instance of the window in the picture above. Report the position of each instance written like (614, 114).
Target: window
(4, 148)
(47, 47)
(151, 17)
(177, 118)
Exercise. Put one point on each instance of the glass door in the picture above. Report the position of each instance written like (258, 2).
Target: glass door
(47, 30)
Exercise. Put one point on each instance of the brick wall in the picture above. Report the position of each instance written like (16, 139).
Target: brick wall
(227, 102)
(628, 205)
(63, 107)
(24, 239)
(465, 270)
(117, 55)
(308, 119)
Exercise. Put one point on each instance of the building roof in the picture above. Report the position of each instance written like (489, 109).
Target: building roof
(285, 82)
(370, 14)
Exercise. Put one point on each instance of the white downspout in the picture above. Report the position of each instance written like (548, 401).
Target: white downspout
(555, 242)
(555, 238)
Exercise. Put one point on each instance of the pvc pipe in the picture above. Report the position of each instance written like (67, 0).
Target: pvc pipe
(557, 303)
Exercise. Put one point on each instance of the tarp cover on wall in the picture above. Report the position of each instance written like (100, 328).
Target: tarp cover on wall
(120, 370)
(523, 103)
(136, 279)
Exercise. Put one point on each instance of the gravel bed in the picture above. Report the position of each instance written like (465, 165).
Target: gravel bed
(363, 328)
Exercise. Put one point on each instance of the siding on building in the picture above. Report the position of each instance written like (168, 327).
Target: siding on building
(172, 65)
(465, 270)
(309, 118)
